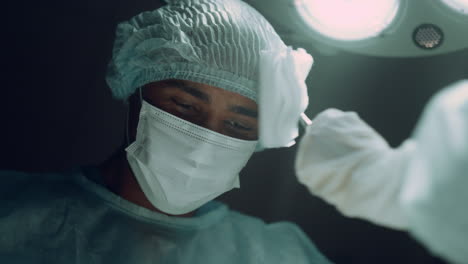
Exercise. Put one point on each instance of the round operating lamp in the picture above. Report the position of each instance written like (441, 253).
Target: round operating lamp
(348, 20)
(389, 28)
(458, 5)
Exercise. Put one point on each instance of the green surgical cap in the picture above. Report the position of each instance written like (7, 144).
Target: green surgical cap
(215, 42)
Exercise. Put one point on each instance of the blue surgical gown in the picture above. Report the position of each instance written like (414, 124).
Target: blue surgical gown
(59, 218)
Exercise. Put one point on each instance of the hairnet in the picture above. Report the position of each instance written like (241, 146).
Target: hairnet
(215, 42)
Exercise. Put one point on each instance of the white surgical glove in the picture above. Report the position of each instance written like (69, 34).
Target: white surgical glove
(420, 186)
(348, 164)
(282, 95)
(435, 193)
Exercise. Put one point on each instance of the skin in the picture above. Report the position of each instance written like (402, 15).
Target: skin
(208, 106)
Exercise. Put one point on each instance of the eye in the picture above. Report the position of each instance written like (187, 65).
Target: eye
(185, 106)
(238, 125)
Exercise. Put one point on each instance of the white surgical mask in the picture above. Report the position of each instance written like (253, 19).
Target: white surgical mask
(180, 166)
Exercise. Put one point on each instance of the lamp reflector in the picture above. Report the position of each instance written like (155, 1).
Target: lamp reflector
(348, 19)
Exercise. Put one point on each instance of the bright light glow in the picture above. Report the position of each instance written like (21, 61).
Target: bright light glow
(459, 5)
(348, 19)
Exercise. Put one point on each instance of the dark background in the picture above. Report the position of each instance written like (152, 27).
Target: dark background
(57, 113)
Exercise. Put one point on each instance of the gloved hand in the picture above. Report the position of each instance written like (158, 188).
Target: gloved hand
(435, 195)
(420, 186)
(348, 164)
(282, 95)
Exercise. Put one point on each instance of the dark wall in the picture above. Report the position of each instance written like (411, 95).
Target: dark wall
(57, 113)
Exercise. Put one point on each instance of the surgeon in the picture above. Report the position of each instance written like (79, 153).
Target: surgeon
(190, 73)
(420, 186)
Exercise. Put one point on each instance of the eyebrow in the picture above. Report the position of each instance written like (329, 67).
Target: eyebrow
(192, 91)
(243, 111)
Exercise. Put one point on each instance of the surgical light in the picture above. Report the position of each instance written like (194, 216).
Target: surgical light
(348, 19)
(387, 28)
(458, 5)
(383, 28)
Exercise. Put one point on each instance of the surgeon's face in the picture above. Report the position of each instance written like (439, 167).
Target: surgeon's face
(211, 107)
